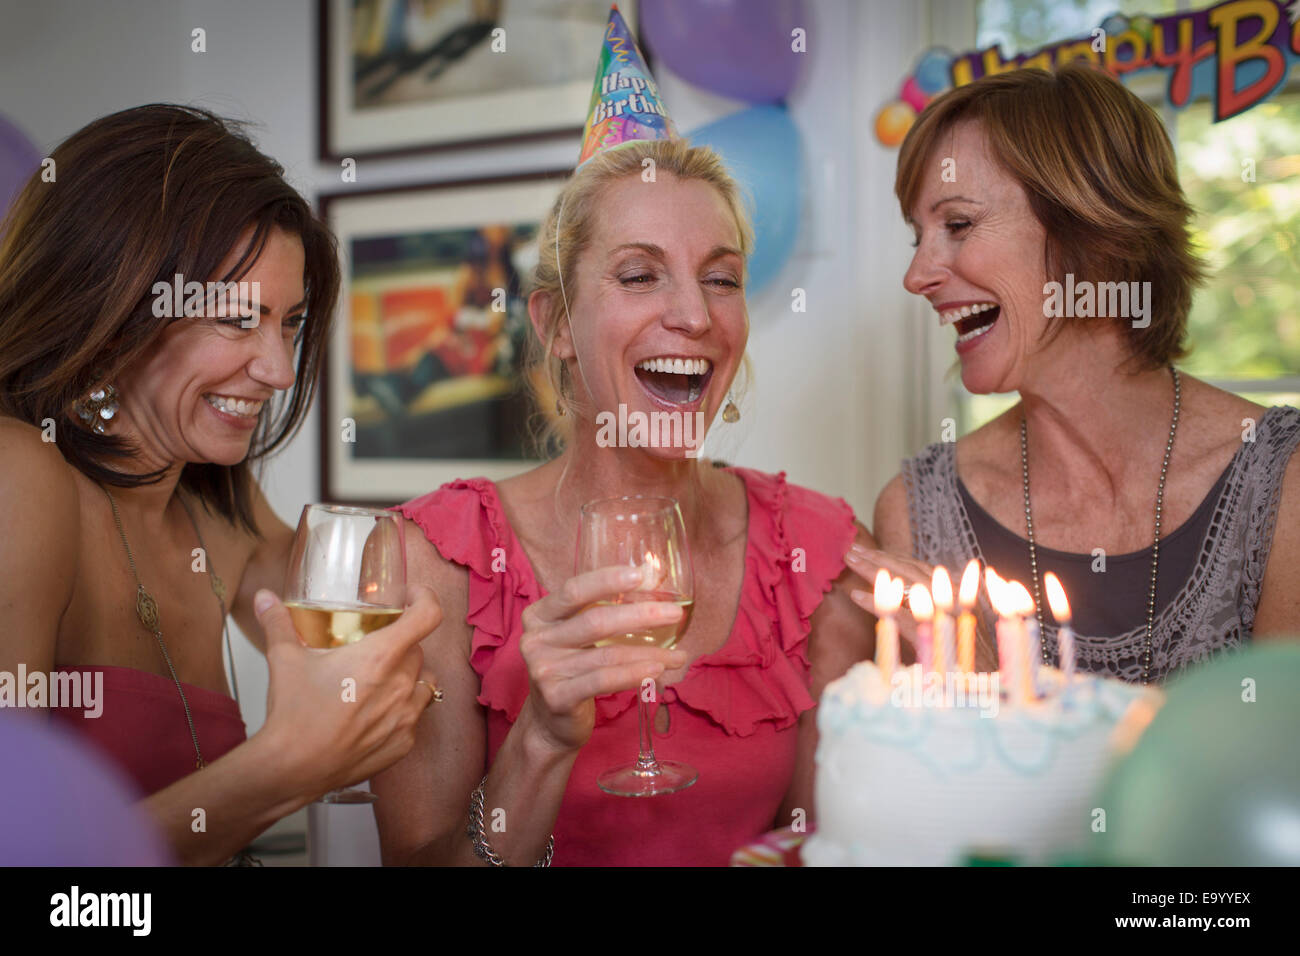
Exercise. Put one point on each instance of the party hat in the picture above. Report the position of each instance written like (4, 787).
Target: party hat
(625, 103)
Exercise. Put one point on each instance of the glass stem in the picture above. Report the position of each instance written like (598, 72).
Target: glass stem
(645, 762)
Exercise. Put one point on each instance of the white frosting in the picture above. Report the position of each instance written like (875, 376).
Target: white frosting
(928, 785)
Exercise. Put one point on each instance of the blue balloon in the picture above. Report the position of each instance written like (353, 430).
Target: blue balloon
(933, 70)
(761, 147)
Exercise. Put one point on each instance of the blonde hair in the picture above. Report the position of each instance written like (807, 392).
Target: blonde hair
(561, 243)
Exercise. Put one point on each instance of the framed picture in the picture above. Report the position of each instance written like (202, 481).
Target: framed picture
(400, 76)
(424, 373)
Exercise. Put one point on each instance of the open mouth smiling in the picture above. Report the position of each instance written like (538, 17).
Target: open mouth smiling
(675, 380)
(971, 320)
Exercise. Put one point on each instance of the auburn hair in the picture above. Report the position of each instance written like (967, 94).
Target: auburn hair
(1099, 172)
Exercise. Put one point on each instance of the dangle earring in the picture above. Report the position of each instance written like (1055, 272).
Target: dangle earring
(559, 408)
(97, 408)
(730, 413)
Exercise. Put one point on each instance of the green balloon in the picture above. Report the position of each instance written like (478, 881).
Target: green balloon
(1144, 26)
(1215, 779)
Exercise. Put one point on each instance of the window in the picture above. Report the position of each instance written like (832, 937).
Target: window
(1244, 327)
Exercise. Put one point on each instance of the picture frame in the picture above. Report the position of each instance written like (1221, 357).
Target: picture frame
(423, 379)
(398, 77)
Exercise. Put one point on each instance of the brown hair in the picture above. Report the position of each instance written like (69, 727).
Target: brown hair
(577, 203)
(140, 196)
(1099, 171)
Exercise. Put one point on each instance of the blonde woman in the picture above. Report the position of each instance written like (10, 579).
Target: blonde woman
(534, 713)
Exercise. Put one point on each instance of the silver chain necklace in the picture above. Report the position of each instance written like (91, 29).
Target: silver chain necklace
(1155, 548)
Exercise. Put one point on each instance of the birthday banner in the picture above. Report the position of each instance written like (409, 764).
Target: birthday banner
(1236, 54)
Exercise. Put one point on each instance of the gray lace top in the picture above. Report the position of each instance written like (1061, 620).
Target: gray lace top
(1212, 609)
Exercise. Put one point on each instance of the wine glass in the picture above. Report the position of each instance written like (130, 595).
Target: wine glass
(346, 578)
(648, 533)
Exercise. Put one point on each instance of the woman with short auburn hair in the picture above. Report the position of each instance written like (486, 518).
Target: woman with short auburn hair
(1052, 234)
(129, 423)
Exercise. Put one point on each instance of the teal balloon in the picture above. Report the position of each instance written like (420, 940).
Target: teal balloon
(761, 147)
(1115, 24)
(1215, 779)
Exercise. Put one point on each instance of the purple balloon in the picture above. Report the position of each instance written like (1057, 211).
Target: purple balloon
(63, 804)
(739, 48)
(19, 158)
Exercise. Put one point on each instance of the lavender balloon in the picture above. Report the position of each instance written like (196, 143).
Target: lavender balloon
(744, 49)
(19, 158)
(62, 804)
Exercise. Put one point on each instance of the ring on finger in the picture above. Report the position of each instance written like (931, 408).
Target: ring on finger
(435, 691)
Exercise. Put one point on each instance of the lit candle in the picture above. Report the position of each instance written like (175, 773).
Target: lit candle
(967, 594)
(945, 651)
(1005, 629)
(1034, 639)
(923, 610)
(1023, 609)
(1064, 637)
(887, 598)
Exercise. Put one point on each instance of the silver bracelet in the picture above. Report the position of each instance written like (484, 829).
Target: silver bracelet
(478, 833)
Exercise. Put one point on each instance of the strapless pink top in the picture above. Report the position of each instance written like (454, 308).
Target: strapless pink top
(142, 724)
(734, 715)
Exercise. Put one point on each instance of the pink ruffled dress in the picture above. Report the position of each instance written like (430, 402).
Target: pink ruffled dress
(734, 716)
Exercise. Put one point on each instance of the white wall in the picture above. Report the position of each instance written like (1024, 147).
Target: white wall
(842, 392)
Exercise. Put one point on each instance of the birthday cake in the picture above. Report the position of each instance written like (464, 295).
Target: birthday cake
(949, 769)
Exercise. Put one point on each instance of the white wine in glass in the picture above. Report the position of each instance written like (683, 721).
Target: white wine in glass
(661, 635)
(346, 578)
(647, 533)
(328, 625)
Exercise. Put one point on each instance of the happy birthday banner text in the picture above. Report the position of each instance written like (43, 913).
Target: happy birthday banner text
(1237, 54)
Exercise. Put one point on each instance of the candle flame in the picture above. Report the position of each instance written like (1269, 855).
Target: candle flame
(1019, 597)
(941, 587)
(920, 603)
(993, 584)
(886, 599)
(1056, 598)
(999, 594)
(970, 584)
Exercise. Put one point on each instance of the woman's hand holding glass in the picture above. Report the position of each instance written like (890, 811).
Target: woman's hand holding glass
(346, 581)
(344, 715)
(567, 672)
